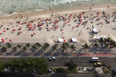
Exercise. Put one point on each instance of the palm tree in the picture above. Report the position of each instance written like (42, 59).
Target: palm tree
(27, 45)
(45, 46)
(24, 48)
(33, 47)
(85, 46)
(65, 46)
(4, 49)
(73, 47)
(96, 45)
(55, 47)
(19, 46)
(108, 40)
(38, 44)
(8, 45)
(15, 49)
(101, 40)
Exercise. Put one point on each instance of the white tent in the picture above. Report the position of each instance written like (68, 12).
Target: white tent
(98, 37)
(61, 40)
(95, 31)
(0, 40)
(74, 39)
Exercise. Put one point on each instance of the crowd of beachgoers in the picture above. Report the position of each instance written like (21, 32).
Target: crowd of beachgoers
(68, 25)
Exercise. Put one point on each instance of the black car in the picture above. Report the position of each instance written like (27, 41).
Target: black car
(114, 72)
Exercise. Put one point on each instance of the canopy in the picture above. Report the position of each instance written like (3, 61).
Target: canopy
(74, 39)
(98, 37)
(61, 40)
(0, 40)
(95, 30)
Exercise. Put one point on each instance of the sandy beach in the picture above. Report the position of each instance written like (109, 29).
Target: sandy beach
(49, 26)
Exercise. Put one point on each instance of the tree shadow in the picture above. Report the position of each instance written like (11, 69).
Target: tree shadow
(100, 49)
(19, 53)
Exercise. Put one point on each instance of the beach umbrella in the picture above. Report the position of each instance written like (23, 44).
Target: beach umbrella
(64, 41)
(62, 37)
(10, 40)
(0, 33)
(34, 33)
(20, 32)
(20, 27)
(2, 40)
(4, 30)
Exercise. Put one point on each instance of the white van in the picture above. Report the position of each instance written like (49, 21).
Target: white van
(94, 59)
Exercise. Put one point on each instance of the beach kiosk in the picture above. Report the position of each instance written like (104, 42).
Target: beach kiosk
(61, 40)
(74, 40)
(95, 31)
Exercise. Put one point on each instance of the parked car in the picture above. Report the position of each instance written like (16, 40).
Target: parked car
(52, 58)
(113, 72)
(97, 64)
(50, 70)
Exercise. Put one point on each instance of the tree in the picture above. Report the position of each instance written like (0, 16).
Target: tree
(38, 44)
(96, 45)
(65, 46)
(73, 47)
(45, 46)
(27, 45)
(85, 46)
(14, 48)
(34, 47)
(60, 70)
(28, 65)
(1, 65)
(24, 48)
(71, 66)
(101, 40)
(55, 47)
(4, 49)
(19, 46)
(8, 45)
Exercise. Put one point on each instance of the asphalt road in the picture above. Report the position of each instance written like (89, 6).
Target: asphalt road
(83, 61)
(80, 61)
(72, 75)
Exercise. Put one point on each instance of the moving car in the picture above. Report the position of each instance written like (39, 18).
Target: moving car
(94, 59)
(97, 64)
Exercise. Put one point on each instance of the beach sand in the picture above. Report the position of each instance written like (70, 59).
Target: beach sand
(81, 33)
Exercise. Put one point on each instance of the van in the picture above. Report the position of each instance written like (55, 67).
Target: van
(94, 59)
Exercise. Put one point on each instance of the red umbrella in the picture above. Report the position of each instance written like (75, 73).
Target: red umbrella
(64, 41)
(20, 27)
(4, 30)
(0, 33)
(14, 29)
(10, 40)
(2, 40)
(34, 33)
(20, 32)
